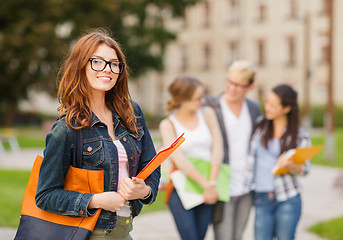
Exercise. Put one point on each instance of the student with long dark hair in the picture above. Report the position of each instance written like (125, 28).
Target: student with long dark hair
(277, 198)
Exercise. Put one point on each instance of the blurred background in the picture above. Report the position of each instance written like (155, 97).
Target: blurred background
(299, 42)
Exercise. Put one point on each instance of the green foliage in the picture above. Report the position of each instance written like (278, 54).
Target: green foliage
(318, 116)
(153, 120)
(12, 188)
(36, 35)
(320, 158)
(331, 230)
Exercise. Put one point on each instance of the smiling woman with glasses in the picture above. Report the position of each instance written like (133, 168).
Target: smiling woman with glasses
(94, 99)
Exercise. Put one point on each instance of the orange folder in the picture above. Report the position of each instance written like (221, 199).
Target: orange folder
(160, 157)
(299, 156)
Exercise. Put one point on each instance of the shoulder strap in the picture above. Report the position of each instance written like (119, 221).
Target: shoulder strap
(214, 102)
(77, 161)
(174, 129)
(171, 123)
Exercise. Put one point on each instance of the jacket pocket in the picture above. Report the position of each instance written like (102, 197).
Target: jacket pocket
(93, 153)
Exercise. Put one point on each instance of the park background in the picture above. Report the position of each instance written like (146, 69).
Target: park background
(299, 42)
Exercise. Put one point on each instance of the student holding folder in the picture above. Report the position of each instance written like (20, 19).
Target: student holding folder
(277, 198)
(94, 98)
(203, 141)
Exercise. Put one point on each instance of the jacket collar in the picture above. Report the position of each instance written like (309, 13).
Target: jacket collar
(115, 117)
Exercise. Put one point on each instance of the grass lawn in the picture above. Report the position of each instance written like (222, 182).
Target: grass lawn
(158, 205)
(331, 230)
(32, 137)
(12, 188)
(13, 183)
(320, 158)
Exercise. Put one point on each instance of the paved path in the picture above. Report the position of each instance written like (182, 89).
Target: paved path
(321, 201)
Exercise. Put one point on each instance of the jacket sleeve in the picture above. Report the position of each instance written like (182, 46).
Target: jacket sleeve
(50, 194)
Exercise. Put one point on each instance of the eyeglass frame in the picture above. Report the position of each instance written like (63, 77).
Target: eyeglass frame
(241, 86)
(107, 63)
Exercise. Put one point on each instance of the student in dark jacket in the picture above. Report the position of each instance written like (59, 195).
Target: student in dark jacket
(237, 116)
(95, 99)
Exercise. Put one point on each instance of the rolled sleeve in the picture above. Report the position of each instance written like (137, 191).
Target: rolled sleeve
(51, 195)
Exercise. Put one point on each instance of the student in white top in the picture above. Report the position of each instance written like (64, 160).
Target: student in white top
(237, 118)
(203, 140)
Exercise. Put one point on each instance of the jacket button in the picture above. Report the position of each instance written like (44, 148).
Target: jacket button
(89, 149)
(124, 139)
(132, 158)
(81, 212)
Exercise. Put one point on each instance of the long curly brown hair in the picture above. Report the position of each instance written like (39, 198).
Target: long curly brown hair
(73, 90)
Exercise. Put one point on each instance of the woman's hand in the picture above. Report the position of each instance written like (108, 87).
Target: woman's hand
(110, 201)
(288, 163)
(210, 194)
(133, 188)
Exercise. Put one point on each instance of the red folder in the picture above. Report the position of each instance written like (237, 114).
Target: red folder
(160, 157)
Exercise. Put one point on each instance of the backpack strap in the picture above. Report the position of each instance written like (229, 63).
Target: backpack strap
(77, 160)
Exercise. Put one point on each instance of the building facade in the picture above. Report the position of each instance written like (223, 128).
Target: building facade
(287, 40)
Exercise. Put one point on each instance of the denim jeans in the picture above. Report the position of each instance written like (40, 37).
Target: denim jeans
(192, 224)
(276, 220)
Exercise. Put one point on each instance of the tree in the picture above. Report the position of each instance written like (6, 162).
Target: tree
(36, 35)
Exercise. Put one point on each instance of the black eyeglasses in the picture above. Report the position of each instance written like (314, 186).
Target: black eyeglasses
(238, 85)
(98, 64)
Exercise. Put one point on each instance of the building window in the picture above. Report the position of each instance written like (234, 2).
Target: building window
(184, 58)
(293, 8)
(184, 19)
(260, 44)
(261, 11)
(206, 57)
(233, 54)
(324, 45)
(324, 7)
(207, 14)
(234, 11)
(291, 51)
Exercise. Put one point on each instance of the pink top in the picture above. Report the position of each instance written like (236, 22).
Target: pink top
(123, 172)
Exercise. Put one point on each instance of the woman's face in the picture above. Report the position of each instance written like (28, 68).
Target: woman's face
(196, 100)
(102, 81)
(274, 108)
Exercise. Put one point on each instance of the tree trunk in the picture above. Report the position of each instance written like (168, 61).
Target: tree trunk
(9, 115)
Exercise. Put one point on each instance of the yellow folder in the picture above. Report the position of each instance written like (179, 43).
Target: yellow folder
(299, 156)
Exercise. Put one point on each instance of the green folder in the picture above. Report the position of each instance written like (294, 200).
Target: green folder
(223, 179)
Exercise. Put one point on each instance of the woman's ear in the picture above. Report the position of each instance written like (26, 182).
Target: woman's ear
(287, 109)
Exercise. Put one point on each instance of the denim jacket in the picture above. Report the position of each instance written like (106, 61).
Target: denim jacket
(99, 152)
